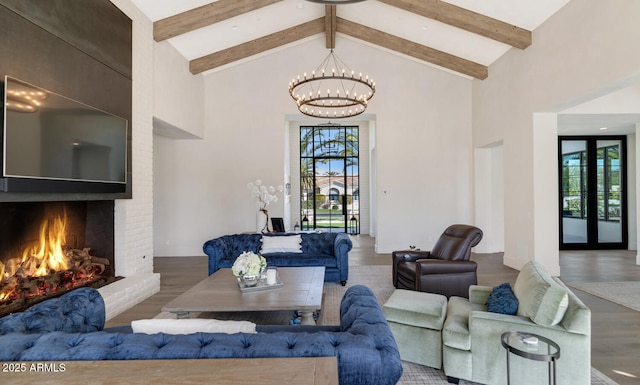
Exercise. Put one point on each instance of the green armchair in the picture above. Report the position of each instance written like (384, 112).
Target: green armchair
(472, 347)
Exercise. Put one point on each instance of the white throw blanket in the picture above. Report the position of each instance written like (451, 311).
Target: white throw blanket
(189, 326)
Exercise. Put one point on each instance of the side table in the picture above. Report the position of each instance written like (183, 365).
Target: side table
(543, 350)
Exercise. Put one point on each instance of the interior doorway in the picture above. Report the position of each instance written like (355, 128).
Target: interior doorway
(593, 192)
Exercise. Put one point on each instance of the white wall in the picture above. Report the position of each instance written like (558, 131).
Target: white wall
(423, 152)
(178, 114)
(133, 227)
(578, 54)
(178, 96)
(424, 157)
(489, 197)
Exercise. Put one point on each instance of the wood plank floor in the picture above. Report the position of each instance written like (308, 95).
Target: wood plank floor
(615, 343)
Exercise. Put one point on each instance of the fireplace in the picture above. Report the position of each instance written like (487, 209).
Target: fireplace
(49, 248)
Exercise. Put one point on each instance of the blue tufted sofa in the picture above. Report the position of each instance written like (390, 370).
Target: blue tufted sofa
(318, 249)
(69, 328)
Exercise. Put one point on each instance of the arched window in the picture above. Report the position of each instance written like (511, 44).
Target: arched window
(334, 194)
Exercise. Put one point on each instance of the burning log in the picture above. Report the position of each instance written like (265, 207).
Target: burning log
(29, 286)
(85, 261)
(46, 267)
(83, 268)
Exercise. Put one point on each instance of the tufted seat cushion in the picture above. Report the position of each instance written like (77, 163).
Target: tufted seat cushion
(78, 311)
(115, 346)
(294, 259)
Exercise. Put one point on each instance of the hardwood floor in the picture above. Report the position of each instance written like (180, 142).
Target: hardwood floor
(615, 342)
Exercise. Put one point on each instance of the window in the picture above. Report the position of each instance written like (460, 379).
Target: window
(334, 194)
(574, 187)
(609, 183)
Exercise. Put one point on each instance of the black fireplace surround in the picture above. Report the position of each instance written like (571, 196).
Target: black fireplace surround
(83, 52)
(87, 242)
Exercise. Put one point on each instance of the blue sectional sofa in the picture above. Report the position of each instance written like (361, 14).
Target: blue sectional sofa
(318, 249)
(70, 328)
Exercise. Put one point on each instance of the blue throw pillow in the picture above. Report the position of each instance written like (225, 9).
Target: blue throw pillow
(502, 300)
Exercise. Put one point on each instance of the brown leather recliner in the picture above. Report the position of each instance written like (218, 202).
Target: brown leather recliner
(446, 269)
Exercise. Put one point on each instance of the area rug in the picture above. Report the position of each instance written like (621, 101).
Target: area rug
(625, 293)
(378, 279)
(414, 374)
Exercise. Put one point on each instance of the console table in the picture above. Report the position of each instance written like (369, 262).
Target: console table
(263, 371)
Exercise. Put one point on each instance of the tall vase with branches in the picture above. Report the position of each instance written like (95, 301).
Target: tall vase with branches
(265, 196)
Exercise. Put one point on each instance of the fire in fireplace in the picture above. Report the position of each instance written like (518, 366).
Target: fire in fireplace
(46, 250)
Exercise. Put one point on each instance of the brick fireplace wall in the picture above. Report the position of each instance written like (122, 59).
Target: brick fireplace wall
(134, 217)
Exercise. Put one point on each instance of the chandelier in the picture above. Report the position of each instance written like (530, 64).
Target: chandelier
(332, 90)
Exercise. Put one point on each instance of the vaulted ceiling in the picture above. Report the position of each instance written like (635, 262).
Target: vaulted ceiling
(463, 36)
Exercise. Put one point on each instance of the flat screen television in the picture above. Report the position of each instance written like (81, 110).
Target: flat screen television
(51, 143)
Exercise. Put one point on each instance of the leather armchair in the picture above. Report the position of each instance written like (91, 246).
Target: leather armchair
(446, 269)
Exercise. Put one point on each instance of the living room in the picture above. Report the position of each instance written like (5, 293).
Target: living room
(199, 139)
(466, 127)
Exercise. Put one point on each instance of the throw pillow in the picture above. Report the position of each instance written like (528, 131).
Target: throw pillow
(541, 298)
(190, 326)
(502, 300)
(281, 244)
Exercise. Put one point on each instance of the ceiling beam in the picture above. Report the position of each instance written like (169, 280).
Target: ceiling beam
(257, 46)
(203, 16)
(467, 20)
(330, 25)
(412, 49)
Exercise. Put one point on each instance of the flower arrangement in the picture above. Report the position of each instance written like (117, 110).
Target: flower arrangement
(248, 263)
(265, 194)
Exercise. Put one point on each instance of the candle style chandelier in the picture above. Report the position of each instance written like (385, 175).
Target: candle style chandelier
(332, 90)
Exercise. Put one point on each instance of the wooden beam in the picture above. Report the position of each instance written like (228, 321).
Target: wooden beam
(467, 20)
(412, 49)
(257, 46)
(203, 16)
(330, 25)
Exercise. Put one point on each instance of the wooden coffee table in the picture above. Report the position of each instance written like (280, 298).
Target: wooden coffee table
(301, 290)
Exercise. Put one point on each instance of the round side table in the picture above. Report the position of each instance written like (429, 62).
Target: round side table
(543, 350)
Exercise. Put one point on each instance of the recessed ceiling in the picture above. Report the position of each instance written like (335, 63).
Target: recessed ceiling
(453, 34)
(597, 124)
(606, 115)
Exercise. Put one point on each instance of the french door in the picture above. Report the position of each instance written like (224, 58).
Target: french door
(329, 188)
(593, 189)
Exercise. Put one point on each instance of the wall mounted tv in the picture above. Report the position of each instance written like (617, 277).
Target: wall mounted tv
(53, 144)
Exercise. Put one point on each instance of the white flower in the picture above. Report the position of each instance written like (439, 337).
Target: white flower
(265, 194)
(248, 263)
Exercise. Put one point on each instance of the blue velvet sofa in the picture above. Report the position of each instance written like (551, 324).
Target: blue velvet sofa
(318, 249)
(70, 328)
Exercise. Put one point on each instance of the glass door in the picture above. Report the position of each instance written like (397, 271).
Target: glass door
(329, 178)
(331, 204)
(592, 193)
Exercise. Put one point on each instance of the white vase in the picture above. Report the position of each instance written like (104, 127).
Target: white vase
(261, 221)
